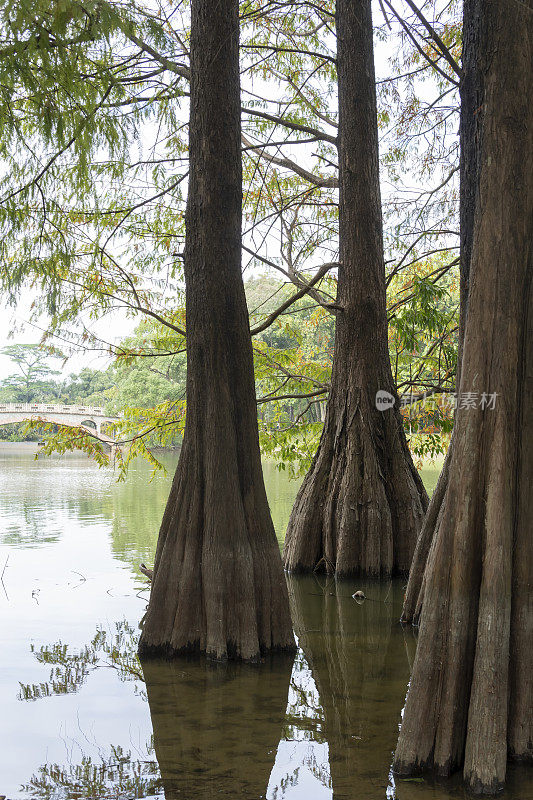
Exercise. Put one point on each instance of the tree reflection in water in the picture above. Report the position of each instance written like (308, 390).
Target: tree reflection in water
(115, 775)
(325, 726)
(115, 649)
(217, 726)
(358, 660)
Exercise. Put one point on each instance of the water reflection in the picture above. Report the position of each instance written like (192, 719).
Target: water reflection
(69, 670)
(75, 718)
(314, 728)
(358, 661)
(40, 496)
(216, 727)
(323, 727)
(116, 774)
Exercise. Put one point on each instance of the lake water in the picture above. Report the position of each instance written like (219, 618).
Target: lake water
(80, 717)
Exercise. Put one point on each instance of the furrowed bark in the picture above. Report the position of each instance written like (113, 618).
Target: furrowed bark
(471, 93)
(412, 605)
(470, 703)
(361, 505)
(218, 585)
(520, 733)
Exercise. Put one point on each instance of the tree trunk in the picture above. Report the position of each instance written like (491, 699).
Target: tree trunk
(470, 697)
(471, 91)
(361, 504)
(218, 583)
(414, 594)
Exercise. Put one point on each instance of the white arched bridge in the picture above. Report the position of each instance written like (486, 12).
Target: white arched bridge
(90, 418)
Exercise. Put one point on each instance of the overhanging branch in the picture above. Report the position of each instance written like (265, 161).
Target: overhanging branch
(301, 293)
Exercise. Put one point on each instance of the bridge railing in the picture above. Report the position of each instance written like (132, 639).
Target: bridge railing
(53, 408)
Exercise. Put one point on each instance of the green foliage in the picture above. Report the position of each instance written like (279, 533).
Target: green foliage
(19, 432)
(32, 374)
(93, 108)
(72, 76)
(64, 439)
(150, 368)
(424, 307)
(293, 358)
(89, 386)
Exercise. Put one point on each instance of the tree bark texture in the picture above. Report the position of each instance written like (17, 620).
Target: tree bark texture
(361, 505)
(471, 92)
(470, 699)
(218, 584)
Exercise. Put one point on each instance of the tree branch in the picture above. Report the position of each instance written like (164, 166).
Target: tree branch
(436, 38)
(284, 306)
(418, 46)
(272, 398)
(287, 163)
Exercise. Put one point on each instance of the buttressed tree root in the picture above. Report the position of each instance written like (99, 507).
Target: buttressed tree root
(470, 699)
(361, 505)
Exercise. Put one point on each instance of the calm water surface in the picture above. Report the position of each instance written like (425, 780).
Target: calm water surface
(81, 718)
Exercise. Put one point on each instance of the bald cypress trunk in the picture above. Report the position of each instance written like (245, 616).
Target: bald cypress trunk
(218, 584)
(361, 504)
(471, 92)
(470, 698)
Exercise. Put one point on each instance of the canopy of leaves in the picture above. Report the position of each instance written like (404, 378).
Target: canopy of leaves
(94, 109)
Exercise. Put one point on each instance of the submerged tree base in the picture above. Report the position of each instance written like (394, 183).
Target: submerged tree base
(361, 505)
(169, 653)
(470, 700)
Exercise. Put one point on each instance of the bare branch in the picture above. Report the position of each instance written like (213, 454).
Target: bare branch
(287, 163)
(272, 398)
(420, 49)
(436, 38)
(303, 291)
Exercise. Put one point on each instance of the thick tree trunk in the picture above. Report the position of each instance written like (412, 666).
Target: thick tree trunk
(361, 504)
(471, 691)
(414, 594)
(218, 583)
(471, 91)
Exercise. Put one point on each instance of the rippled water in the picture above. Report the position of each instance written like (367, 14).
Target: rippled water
(82, 718)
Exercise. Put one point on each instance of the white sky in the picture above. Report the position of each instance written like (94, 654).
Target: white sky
(113, 329)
